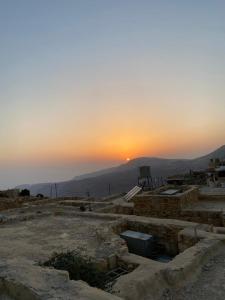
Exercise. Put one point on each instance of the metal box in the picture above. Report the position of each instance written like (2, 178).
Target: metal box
(138, 243)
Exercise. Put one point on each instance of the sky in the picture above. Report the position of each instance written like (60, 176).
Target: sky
(86, 84)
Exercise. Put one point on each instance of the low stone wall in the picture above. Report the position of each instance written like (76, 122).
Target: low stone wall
(165, 232)
(8, 204)
(150, 279)
(166, 235)
(73, 198)
(205, 216)
(162, 205)
(176, 207)
(189, 197)
(117, 209)
(23, 280)
(125, 210)
(187, 238)
(20, 276)
(187, 265)
(205, 197)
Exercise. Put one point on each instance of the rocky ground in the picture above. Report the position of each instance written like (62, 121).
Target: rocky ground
(210, 285)
(5, 297)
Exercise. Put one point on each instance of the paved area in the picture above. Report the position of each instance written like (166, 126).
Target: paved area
(210, 285)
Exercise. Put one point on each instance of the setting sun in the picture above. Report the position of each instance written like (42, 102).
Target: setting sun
(113, 98)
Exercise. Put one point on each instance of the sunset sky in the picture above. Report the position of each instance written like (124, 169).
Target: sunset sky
(86, 84)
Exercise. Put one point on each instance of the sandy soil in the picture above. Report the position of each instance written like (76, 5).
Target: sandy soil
(38, 238)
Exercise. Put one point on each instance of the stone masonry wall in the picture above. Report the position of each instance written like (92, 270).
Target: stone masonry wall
(167, 235)
(175, 207)
(162, 206)
(206, 217)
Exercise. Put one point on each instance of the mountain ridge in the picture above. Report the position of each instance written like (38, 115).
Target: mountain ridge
(123, 177)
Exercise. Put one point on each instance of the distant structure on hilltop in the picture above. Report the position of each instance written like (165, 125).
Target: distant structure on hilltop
(217, 172)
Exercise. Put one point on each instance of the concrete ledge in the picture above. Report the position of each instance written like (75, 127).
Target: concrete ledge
(187, 265)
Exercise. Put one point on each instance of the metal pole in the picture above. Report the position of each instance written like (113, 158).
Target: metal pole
(51, 191)
(109, 189)
(56, 194)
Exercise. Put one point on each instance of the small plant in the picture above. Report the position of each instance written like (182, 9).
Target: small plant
(79, 268)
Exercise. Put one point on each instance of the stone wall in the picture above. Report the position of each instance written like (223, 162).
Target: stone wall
(8, 203)
(187, 240)
(117, 209)
(162, 206)
(166, 234)
(176, 207)
(205, 197)
(202, 216)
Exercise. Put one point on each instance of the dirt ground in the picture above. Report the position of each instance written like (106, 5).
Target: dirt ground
(38, 238)
(5, 297)
(210, 285)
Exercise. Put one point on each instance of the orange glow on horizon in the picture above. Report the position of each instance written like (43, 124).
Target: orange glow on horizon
(109, 145)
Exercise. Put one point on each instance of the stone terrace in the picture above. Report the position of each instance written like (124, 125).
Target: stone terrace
(31, 234)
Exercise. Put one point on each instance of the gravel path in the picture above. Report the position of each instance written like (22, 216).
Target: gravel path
(210, 285)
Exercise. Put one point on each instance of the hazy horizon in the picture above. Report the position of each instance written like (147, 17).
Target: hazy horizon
(87, 84)
(12, 176)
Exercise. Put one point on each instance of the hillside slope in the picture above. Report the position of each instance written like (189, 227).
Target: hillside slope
(123, 177)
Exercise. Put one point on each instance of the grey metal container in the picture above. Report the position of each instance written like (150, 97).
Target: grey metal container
(139, 243)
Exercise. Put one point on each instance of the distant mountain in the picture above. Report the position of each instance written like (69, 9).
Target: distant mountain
(123, 177)
(204, 160)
